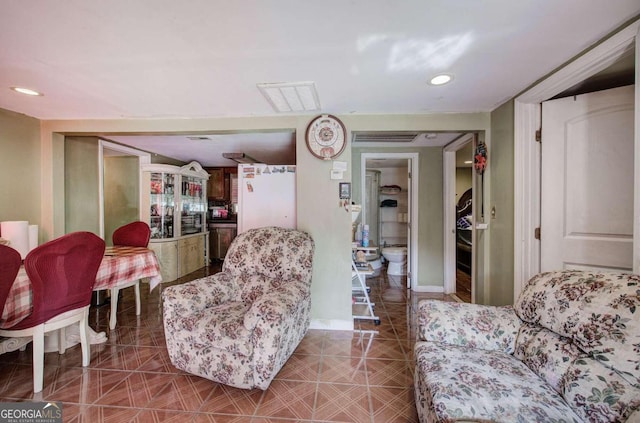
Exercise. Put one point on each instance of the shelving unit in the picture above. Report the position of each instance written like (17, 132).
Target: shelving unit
(359, 289)
(162, 204)
(175, 206)
(393, 220)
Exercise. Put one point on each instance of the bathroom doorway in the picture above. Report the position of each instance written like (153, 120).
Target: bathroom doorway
(388, 205)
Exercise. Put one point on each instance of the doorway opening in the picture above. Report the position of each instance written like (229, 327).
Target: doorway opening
(389, 201)
(459, 221)
(119, 186)
(464, 221)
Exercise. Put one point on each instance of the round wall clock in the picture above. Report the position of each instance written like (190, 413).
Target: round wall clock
(326, 137)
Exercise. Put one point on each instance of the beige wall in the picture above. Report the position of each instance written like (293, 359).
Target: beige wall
(500, 267)
(81, 183)
(121, 193)
(20, 176)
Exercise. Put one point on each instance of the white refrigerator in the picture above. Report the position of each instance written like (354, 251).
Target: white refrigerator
(266, 196)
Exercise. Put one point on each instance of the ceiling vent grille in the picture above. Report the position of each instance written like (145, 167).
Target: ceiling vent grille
(291, 96)
(361, 137)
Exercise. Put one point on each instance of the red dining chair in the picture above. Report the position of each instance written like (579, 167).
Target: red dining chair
(10, 262)
(134, 234)
(62, 274)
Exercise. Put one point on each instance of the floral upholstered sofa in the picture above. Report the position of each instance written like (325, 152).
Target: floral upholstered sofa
(567, 351)
(239, 327)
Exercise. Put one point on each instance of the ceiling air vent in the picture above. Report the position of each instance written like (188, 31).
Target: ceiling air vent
(360, 137)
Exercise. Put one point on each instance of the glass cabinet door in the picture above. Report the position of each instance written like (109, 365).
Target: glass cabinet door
(162, 205)
(194, 206)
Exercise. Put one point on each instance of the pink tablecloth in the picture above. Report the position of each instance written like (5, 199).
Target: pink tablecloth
(120, 265)
(126, 264)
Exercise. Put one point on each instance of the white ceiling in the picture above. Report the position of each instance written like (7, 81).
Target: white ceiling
(265, 147)
(96, 59)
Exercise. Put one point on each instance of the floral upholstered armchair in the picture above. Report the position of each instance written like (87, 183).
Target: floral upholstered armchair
(567, 351)
(239, 327)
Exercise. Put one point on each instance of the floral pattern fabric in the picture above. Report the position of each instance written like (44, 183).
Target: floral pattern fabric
(470, 325)
(548, 354)
(240, 326)
(599, 311)
(569, 350)
(472, 384)
(599, 394)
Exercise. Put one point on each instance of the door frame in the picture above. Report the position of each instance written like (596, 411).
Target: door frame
(412, 271)
(143, 158)
(449, 204)
(527, 121)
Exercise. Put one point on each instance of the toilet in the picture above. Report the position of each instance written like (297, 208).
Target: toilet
(397, 258)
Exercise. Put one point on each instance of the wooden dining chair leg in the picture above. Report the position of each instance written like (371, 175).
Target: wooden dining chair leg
(38, 358)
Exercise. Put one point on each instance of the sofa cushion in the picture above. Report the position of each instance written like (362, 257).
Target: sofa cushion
(253, 287)
(546, 353)
(470, 325)
(222, 327)
(599, 311)
(461, 383)
(598, 394)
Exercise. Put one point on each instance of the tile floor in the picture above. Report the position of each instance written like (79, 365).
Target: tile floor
(333, 376)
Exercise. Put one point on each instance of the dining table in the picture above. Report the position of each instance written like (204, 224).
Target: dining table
(120, 266)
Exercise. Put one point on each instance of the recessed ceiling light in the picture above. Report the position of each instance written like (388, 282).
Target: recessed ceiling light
(26, 91)
(441, 79)
(468, 162)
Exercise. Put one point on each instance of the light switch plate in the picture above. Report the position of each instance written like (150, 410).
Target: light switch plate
(337, 174)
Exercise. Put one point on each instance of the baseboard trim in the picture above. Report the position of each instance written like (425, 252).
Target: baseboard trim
(428, 288)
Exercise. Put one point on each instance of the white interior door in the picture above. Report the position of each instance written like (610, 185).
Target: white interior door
(587, 181)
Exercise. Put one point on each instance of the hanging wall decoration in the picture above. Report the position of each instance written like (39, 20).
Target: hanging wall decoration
(480, 163)
(480, 157)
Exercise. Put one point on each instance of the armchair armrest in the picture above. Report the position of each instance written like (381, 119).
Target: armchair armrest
(274, 306)
(199, 294)
(469, 325)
